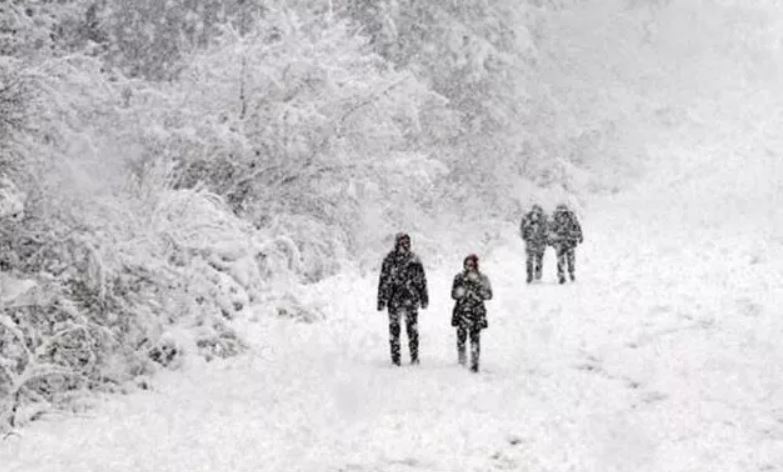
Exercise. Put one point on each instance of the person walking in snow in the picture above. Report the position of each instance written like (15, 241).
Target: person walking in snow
(470, 289)
(402, 289)
(533, 231)
(564, 235)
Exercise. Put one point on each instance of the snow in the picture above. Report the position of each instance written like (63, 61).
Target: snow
(11, 199)
(13, 290)
(663, 356)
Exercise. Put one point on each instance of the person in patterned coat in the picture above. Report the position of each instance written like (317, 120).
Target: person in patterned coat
(564, 235)
(470, 289)
(402, 289)
(533, 231)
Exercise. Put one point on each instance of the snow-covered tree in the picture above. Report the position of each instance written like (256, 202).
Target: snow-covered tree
(482, 57)
(125, 230)
(297, 114)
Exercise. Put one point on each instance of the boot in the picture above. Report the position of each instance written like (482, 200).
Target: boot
(395, 353)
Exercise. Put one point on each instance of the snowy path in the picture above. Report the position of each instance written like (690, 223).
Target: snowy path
(665, 356)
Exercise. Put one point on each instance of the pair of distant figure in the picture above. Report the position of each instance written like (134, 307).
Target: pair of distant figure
(563, 233)
(402, 289)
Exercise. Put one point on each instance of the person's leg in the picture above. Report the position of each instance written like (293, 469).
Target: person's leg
(394, 334)
(412, 327)
(539, 264)
(475, 348)
(530, 265)
(571, 262)
(561, 262)
(462, 336)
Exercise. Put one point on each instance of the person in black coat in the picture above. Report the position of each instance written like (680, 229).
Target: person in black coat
(533, 230)
(565, 233)
(470, 289)
(402, 288)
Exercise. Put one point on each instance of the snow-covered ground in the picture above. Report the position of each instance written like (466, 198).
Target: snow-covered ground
(664, 356)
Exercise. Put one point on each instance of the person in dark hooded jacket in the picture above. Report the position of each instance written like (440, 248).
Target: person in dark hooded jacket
(402, 288)
(564, 235)
(470, 289)
(533, 231)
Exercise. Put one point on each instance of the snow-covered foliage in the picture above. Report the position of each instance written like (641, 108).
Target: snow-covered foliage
(105, 292)
(133, 256)
(151, 38)
(299, 121)
(40, 28)
(480, 56)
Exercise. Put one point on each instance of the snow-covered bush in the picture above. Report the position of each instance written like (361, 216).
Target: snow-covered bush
(115, 257)
(106, 294)
(157, 212)
(296, 122)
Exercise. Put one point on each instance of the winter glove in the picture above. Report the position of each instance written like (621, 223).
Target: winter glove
(424, 305)
(381, 306)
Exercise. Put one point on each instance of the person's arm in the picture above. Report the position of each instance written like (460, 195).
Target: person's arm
(552, 233)
(421, 284)
(485, 288)
(383, 284)
(473, 287)
(545, 225)
(457, 290)
(578, 229)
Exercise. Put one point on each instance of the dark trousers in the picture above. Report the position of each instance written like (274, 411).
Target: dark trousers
(411, 326)
(475, 345)
(565, 257)
(535, 263)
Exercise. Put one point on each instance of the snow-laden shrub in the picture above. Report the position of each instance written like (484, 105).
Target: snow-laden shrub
(306, 132)
(281, 122)
(154, 213)
(111, 258)
(103, 300)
